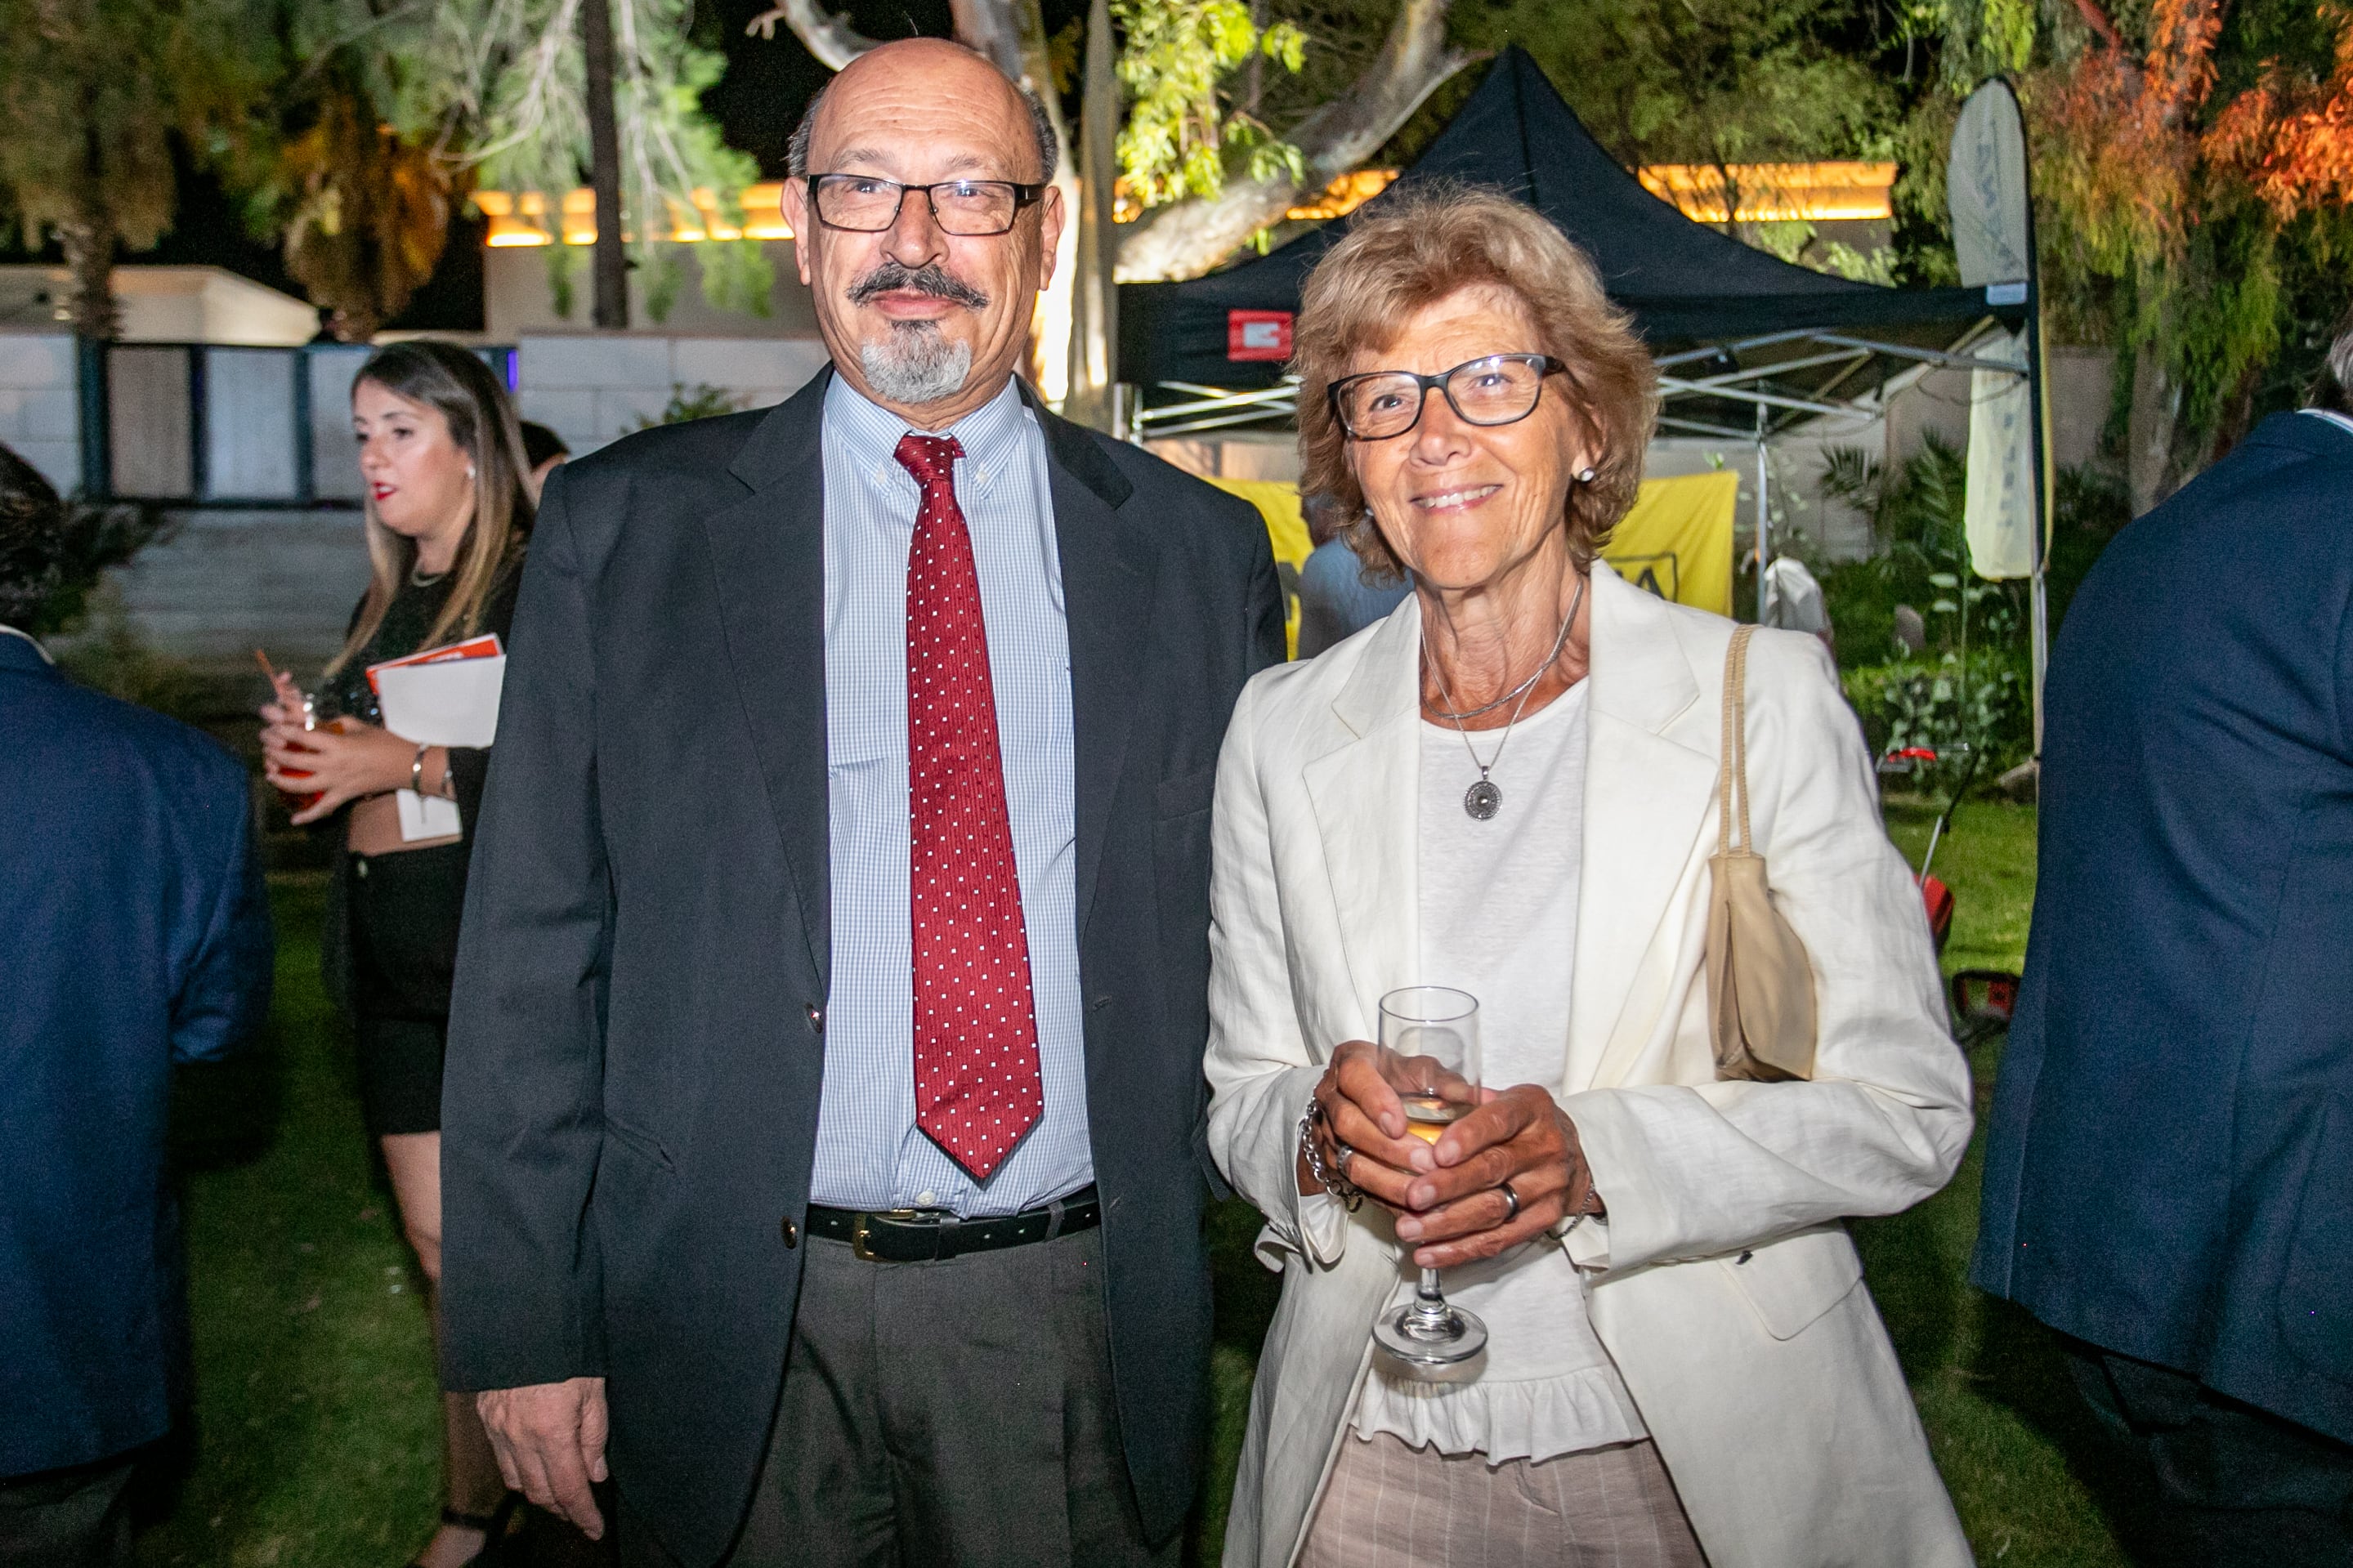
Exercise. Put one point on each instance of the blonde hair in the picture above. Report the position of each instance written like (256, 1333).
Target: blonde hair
(1417, 247)
(455, 381)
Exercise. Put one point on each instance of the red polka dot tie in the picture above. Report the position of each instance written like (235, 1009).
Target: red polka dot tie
(977, 1088)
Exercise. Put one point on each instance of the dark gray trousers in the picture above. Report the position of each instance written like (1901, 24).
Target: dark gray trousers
(2235, 1486)
(67, 1519)
(956, 1413)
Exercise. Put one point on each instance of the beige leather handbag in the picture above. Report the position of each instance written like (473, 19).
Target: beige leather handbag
(1760, 981)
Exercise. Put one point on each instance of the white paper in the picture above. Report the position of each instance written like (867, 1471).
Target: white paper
(426, 817)
(454, 702)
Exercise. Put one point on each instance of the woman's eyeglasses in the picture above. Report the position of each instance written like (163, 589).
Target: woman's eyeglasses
(968, 209)
(1500, 389)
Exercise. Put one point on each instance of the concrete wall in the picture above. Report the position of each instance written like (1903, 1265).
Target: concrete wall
(221, 583)
(41, 414)
(1248, 455)
(2081, 383)
(591, 388)
(170, 304)
(517, 298)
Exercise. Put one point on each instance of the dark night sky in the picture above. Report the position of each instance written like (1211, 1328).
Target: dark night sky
(757, 103)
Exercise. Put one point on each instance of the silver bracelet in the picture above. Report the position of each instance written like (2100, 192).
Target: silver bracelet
(1338, 1185)
(416, 771)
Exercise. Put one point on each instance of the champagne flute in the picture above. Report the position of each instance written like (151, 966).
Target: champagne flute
(1429, 1056)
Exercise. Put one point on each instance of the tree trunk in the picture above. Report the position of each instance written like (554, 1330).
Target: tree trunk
(1094, 312)
(2149, 473)
(1186, 239)
(90, 240)
(829, 37)
(1012, 33)
(610, 274)
(88, 245)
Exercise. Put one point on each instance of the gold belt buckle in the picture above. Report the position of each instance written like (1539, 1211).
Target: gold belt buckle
(858, 1245)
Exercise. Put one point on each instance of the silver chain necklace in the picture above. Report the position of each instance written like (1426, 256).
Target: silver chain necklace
(1484, 799)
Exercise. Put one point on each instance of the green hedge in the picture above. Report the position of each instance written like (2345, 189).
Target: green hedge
(1935, 701)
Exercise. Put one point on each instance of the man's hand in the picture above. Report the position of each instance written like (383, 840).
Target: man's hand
(550, 1439)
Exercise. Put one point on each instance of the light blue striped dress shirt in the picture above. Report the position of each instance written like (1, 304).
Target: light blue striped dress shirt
(870, 1154)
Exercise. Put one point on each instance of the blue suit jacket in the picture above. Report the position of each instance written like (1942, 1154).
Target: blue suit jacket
(133, 934)
(2169, 1170)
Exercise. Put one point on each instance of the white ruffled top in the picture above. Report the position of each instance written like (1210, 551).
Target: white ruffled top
(1498, 916)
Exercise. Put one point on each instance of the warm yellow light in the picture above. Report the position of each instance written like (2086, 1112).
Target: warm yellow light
(580, 217)
(1344, 195)
(508, 231)
(514, 217)
(1775, 193)
(763, 211)
(1341, 198)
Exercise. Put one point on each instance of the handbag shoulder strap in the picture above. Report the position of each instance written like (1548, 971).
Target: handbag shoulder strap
(1733, 777)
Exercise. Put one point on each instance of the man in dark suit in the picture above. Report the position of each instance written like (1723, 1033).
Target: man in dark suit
(134, 934)
(824, 1109)
(2169, 1175)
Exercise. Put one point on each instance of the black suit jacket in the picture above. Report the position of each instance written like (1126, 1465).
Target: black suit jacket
(637, 1036)
(2169, 1169)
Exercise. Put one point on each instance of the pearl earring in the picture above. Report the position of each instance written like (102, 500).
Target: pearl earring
(469, 470)
(1585, 475)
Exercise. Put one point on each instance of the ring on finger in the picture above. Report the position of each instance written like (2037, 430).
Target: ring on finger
(1512, 1198)
(1342, 1152)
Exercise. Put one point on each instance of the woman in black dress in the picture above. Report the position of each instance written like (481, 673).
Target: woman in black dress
(448, 515)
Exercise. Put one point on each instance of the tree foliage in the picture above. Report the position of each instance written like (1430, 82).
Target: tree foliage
(1732, 81)
(94, 94)
(1179, 62)
(2193, 161)
(495, 88)
(361, 213)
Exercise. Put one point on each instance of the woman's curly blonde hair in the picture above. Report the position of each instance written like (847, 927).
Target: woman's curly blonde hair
(1420, 246)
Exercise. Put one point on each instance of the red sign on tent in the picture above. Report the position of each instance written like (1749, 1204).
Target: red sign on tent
(1257, 334)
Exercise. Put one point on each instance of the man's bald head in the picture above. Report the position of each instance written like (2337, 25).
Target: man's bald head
(927, 322)
(928, 56)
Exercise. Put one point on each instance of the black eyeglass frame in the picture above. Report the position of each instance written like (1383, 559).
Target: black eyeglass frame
(1443, 381)
(1023, 196)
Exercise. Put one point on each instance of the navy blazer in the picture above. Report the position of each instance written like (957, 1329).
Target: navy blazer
(637, 1039)
(133, 934)
(2170, 1169)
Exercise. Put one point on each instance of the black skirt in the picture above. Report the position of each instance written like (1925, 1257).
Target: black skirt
(403, 935)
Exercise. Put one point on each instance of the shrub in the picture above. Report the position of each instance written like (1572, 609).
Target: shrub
(1940, 703)
(701, 401)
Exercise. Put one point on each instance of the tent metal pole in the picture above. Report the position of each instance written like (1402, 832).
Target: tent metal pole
(2038, 595)
(1764, 480)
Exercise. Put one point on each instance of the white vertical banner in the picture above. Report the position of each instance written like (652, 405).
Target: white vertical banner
(1985, 189)
(1999, 513)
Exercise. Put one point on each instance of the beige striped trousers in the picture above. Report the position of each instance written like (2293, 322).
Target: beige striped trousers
(1389, 1506)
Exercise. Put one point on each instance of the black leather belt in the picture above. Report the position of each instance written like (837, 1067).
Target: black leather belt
(927, 1236)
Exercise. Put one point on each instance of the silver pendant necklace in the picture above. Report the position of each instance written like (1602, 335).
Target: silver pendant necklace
(1484, 799)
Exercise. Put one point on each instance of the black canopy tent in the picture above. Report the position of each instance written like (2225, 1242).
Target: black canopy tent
(1745, 344)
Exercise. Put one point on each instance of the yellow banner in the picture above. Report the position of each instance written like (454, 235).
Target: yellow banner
(1286, 529)
(1676, 542)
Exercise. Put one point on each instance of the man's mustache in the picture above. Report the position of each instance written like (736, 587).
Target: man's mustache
(892, 277)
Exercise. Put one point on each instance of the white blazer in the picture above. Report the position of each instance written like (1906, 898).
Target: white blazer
(1722, 1282)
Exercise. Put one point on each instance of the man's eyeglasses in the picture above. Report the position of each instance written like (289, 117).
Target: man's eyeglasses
(968, 209)
(1500, 389)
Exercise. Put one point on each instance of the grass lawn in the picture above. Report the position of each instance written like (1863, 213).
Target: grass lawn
(315, 1440)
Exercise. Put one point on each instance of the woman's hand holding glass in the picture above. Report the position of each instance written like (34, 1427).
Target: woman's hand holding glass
(1448, 1195)
(337, 765)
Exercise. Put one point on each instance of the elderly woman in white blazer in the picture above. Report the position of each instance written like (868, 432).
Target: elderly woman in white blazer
(1684, 1366)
